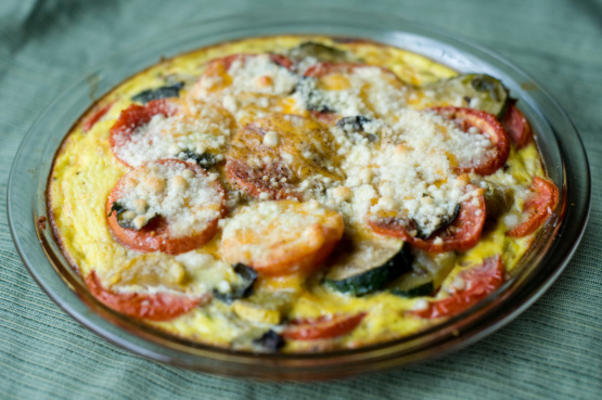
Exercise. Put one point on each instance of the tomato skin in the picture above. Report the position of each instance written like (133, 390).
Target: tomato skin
(324, 68)
(517, 126)
(227, 61)
(321, 69)
(251, 180)
(324, 327)
(155, 235)
(95, 117)
(480, 282)
(490, 127)
(154, 307)
(136, 116)
(538, 206)
(461, 235)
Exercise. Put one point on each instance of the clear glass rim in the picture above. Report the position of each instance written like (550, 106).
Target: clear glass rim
(488, 315)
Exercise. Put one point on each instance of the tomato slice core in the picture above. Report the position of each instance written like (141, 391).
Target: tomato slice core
(461, 235)
(155, 307)
(134, 117)
(95, 117)
(324, 327)
(155, 236)
(517, 126)
(479, 282)
(538, 207)
(489, 126)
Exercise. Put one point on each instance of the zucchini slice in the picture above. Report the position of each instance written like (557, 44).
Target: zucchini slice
(413, 284)
(368, 267)
(498, 198)
(319, 51)
(478, 91)
(158, 93)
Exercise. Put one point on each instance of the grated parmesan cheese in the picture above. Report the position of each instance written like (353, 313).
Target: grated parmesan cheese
(187, 207)
(208, 128)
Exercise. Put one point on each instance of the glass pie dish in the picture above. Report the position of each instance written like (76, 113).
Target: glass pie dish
(559, 144)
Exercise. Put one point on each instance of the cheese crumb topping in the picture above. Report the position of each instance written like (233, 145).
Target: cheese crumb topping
(205, 127)
(162, 189)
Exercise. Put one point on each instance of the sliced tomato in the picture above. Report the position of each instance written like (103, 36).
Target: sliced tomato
(155, 307)
(487, 125)
(517, 126)
(134, 117)
(253, 180)
(324, 68)
(324, 327)
(479, 282)
(155, 235)
(95, 117)
(538, 207)
(461, 235)
(227, 61)
(273, 248)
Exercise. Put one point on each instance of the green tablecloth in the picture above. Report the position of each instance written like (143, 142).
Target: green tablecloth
(554, 350)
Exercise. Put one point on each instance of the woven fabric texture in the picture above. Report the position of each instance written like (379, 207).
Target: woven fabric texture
(552, 351)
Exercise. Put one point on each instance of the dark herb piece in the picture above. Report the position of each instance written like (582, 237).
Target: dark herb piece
(205, 160)
(306, 87)
(245, 289)
(321, 108)
(116, 208)
(119, 209)
(158, 93)
(354, 125)
(270, 341)
(446, 221)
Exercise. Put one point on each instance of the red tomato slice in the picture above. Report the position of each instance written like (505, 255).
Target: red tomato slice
(461, 235)
(227, 61)
(155, 307)
(479, 282)
(95, 117)
(326, 118)
(489, 126)
(538, 207)
(155, 235)
(517, 126)
(251, 180)
(324, 68)
(134, 117)
(324, 327)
